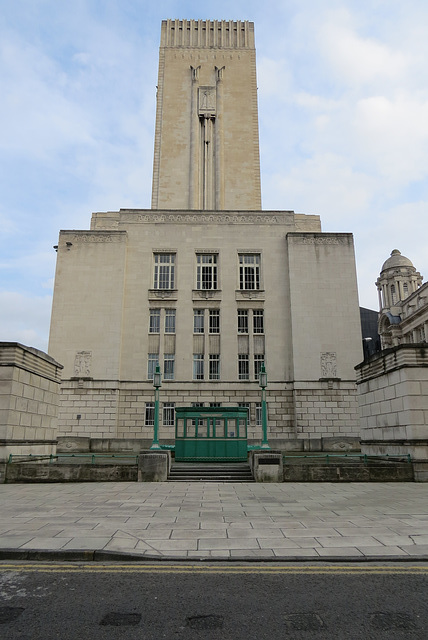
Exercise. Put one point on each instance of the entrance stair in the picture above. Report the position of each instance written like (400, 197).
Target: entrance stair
(210, 472)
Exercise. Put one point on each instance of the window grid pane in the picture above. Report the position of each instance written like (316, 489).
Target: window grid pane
(150, 414)
(198, 366)
(243, 367)
(206, 272)
(169, 320)
(214, 321)
(164, 271)
(198, 320)
(242, 321)
(258, 321)
(168, 414)
(154, 326)
(249, 271)
(258, 414)
(168, 366)
(258, 361)
(152, 361)
(214, 367)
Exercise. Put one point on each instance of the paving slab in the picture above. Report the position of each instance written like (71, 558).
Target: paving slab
(217, 520)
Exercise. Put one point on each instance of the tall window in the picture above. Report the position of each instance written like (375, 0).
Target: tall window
(198, 320)
(169, 320)
(198, 366)
(168, 414)
(206, 271)
(249, 271)
(243, 367)
(152, 361)
(258, 361)
(150, 414)
(393, 294)
(168, 366)
(258, 414)
(154, 325)
(214, 367)
(164, 275)
(242, 321)
(258, 321)
(214, 321)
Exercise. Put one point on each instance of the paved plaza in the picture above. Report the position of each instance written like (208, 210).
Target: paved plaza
(218, 520)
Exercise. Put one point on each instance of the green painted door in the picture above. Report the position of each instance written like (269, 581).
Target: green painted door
(211, 434)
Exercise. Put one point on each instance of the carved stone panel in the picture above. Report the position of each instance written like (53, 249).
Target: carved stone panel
(328, 365)
(82, 364)
(207, 101)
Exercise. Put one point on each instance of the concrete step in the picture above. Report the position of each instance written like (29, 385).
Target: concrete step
(210, 472)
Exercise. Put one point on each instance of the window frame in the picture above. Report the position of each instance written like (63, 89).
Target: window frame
(243, 366)
(163, 270)
(258, 321)
(149, 414)
(214, 321)
(214, 372)
(206, 272)
(169, 371)
(154, 320)
(168, 414)
(198, 366)
(243, 326)
(152, 361)
(169, 327)
(198, 321)
(249, 271)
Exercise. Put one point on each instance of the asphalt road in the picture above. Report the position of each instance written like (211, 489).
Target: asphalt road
(213, 601)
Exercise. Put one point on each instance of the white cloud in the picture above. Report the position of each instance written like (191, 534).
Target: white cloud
(25, 319)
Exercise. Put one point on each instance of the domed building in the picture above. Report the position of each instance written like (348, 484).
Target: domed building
(403, 302)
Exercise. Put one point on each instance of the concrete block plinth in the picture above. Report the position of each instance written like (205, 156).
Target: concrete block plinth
(154, 466)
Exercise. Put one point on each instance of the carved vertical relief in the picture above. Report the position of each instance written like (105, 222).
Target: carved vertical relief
(328, 365)
(82, 364)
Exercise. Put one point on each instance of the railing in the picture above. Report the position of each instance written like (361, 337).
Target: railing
(15, 458)
(361, 456)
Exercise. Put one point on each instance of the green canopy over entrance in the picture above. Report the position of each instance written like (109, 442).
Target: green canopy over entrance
(211, 434)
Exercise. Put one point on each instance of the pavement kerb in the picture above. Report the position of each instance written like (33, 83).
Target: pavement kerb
(87, 555)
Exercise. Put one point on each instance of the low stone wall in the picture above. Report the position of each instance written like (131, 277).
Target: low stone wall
(339, 471)
(393, 399)
(32, 472)
(29, 398)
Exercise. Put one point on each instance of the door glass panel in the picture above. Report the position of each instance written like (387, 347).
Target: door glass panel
(242, 430)
(231, 428)
(180, 428)
(219, 427)
(202, 428)
(191, 428)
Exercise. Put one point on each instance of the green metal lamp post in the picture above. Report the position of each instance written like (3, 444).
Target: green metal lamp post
(263, 385)
(157, 382)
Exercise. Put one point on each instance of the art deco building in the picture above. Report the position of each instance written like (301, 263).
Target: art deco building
(205, 283)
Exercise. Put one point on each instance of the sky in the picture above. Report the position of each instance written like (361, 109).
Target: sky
(343, 124)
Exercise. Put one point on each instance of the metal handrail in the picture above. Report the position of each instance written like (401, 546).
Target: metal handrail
(51, 457)
(364, 456)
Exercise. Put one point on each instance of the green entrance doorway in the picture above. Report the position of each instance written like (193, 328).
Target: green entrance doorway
(205, 434)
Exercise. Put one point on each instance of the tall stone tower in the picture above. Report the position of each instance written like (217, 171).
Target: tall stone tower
(206, 152)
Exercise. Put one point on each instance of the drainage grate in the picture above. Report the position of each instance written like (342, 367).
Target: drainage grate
(118, 619)
(304, 621)
(391, 620)
(205, 622)
(10, 614)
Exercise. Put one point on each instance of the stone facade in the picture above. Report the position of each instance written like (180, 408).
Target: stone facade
(403, 303)
(393, 398)
(29, 398)
(205, 283)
